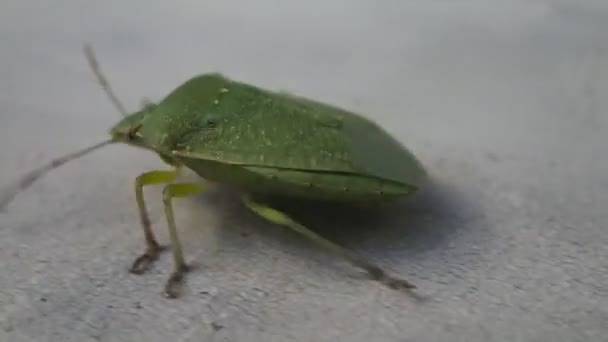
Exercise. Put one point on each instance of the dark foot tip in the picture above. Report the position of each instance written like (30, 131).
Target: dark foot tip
(175, 281)
(399, 284)
(144, 261)
(171, 293)
(141, 264)
(380, 275)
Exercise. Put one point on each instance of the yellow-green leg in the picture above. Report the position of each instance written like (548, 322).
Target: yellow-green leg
(179, 264)
(280, 218)
(153, 249)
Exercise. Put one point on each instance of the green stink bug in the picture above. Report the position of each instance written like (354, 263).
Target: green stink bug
(261, 142)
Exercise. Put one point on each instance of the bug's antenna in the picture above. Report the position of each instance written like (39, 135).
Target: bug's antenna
(90, 55)
(28, 179)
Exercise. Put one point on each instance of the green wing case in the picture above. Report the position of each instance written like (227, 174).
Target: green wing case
(236, 123)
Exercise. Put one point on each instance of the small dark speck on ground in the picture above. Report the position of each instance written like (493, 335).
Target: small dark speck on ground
(216, 326)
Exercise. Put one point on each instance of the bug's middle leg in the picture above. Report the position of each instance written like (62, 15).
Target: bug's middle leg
(142, 263)
(375, 271)
(179, 265)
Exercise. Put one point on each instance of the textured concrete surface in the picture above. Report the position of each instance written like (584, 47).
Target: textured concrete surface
(504, 101)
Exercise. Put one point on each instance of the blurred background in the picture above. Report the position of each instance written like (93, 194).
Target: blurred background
(503, 101)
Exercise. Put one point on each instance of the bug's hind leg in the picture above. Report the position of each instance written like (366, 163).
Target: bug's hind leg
(375, 272)
(153, 249)
(179, 264)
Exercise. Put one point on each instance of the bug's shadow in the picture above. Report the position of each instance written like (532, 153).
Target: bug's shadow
(409, 226)
(408, 229)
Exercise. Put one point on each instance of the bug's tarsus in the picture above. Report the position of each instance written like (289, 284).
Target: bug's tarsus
(101, 79)
(143, 263)
(29, 178)
(397, 284)
(175, 282)
(378, 274)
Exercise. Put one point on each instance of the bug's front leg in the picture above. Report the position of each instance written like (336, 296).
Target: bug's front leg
(375, 271)
(153, 249)
(179, 264)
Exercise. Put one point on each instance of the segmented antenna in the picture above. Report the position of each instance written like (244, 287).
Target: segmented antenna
(29, 178)
(90, 55)
(9, 193)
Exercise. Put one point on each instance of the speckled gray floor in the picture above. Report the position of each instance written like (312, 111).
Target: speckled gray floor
(505, 102)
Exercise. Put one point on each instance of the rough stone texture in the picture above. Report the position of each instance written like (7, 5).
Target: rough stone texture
(504, 101)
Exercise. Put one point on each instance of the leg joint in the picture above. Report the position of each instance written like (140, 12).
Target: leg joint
(180, 190)
(156, 177)
(167, 195)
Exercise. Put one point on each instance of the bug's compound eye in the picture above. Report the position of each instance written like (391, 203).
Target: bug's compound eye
(133, 131)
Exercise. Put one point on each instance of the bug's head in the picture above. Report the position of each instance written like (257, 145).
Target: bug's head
(127, 129)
